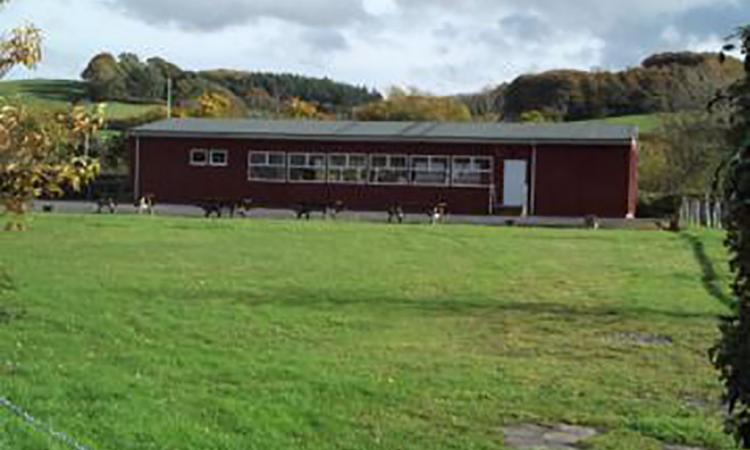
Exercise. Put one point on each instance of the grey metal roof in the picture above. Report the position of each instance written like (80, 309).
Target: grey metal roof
(390, 131)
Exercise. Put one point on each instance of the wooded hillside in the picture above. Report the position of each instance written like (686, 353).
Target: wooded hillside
(667, 82)
(127, 78)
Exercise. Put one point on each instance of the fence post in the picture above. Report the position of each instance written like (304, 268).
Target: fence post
(719, 212)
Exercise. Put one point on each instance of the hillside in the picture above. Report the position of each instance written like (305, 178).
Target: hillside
(127, 78)
(61, 94)
(668, 82)
(646, 123)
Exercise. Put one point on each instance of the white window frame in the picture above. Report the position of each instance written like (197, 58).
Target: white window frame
(308, 156)
(472, 161)
(374, 171)
(362, 171)
(216, 151)
(196, 151)
(447, 170)
(267, 154)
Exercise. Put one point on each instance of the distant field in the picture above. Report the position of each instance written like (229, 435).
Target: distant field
(59, 94)
(646, 123)
(162, 333)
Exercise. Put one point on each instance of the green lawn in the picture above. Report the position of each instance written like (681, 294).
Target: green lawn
(59, 94)
(166, 333)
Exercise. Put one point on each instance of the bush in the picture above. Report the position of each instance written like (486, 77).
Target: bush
(658, 206)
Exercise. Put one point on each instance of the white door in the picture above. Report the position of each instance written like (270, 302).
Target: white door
(515, 187)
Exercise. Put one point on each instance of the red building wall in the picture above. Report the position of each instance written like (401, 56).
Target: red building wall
(570, 181)
(578, 181)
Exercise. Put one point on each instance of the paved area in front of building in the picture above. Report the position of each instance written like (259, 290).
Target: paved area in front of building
(83, 207)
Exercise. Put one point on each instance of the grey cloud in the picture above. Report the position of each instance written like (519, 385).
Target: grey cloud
(525, 26)
(628, 45)
(630, 30)
(325, 40)
(218, 14)
(717, 20)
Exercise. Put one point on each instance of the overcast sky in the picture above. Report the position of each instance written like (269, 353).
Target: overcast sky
(444, 46)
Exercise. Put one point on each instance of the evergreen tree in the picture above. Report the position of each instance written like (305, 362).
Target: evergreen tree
(731, 355)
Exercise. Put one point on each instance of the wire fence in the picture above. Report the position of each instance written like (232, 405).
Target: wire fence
(39, 426)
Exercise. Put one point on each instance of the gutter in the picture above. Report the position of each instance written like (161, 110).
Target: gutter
(379, 139)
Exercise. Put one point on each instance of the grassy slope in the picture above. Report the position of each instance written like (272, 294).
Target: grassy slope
(646, 123)
(58, 94)
(154, 333)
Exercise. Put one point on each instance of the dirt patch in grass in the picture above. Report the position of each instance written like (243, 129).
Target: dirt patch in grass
(557, 437)
(641, 339)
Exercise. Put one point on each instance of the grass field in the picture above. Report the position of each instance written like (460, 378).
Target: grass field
(646, 123)
(59, 94)
(165, 333)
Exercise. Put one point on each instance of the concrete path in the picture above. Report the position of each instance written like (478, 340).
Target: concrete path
(82, 207)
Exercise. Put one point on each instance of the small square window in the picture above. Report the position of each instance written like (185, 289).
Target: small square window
(358, 160)
(379, 161)
(338, 160)
(398, 161)
(198, 157)
(219, 158)
(258, 158)
(298, 160)
(277, 159)
(484, 164)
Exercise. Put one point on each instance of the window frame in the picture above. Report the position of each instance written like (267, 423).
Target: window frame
(290, 167)
(362, 170)
(448, 170)
(373, 170)
(267, 164)
(195, 151)
(473, 158)
(218, 151)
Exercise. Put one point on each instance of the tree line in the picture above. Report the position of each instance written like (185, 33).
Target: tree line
(127, 78)
(665, 82)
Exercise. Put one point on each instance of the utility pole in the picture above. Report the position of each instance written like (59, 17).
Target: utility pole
(169, 98)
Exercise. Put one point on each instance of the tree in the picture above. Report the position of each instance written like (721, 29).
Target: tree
(683, 154)
(536, 116)
(40, 153)
(21, 46)
(105, 78)
(297, 108)
(215, 105)
(731, 355)
(413, 105)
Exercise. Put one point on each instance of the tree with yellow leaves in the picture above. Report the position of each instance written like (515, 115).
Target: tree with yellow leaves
(212, 105)
(296, 108)
(41, 154)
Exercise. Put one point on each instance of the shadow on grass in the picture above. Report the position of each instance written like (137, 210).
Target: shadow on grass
(711, 281)
(7, 286)
(6, 282)
(326, 299)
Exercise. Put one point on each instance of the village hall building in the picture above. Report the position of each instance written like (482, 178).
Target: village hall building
(559, 170)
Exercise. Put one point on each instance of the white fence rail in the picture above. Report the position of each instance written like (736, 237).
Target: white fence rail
(706, 212)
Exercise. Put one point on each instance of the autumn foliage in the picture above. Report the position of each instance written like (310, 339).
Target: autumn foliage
(41, 153)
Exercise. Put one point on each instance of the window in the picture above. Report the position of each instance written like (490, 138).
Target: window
(219, 158)
(472, 171)
(307, 167)
(267, 166)
(347, 168)
(198, 157)
(389, 169)
(432, 170)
